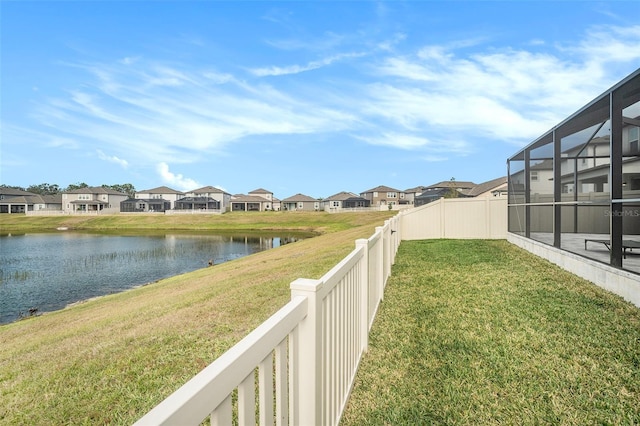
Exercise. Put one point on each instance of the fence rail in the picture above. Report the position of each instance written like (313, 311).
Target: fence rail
(298, 367)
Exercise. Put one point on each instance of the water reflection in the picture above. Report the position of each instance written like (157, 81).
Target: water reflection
(45, 272)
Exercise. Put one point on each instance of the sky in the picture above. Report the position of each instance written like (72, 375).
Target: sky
(311, 97)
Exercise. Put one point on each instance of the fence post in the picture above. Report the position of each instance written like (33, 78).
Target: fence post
(307, 380)
(443, 233)
(380, 266)
(365, 286)
(386, 234)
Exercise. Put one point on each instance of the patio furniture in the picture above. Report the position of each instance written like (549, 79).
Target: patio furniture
(626, 244)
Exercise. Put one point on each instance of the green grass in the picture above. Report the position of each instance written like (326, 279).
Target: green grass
(481, 332)
(112, 359)
(319, 222)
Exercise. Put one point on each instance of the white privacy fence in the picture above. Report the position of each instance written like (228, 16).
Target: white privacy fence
(298, 367)
(464, 218)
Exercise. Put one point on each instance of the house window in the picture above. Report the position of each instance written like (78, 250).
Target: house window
(634, 134)
(375, 194)
(392, 194)
(534, 176)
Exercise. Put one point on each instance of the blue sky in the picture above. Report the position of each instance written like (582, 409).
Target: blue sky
(304, 97)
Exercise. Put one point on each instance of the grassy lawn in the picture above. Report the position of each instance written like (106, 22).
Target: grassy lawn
(481, 332)
(319, 222)
(110, 360)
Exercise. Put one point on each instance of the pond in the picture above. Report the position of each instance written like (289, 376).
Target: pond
(46, 272)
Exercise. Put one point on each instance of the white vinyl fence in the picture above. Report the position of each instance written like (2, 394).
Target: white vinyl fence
(463, 218)
(298, 367)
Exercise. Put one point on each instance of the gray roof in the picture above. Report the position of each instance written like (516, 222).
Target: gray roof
(299, 198)
(14, 192)
(452, 184)
(260, 191)
(415, 190)
(160, 190)
(208, 190)
(33, 199)
(487, 186)
(341, 196)
(95, 190)
(381, 188)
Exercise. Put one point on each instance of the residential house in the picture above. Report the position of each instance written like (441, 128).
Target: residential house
(161, 193)
(540, 182)
(300, 202)
(444, 189)
(430, 195)
(198, 203)
(249, 203)
(493, 188)
(216, 194)
(344, 200)
(383, 195)
(411, 194)
(92, 199)
(150, 205)
(17, 201)
(459, 186)
(258, 200)
(275, 203)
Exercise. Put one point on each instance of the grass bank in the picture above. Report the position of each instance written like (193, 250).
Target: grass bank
(317, 222)
(110, 360)
(481, 332)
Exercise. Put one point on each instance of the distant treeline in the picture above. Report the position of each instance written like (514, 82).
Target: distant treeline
(53, 189)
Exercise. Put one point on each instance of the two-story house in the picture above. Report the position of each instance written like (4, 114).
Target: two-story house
(92, 199)
(411, 194)
(257, 200)
(161, 193)
(209, 193)
(383, 195)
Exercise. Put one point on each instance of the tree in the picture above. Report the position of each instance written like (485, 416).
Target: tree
(452, 192)
(126, 188)
(44, 189)
(78, 185)
(12, 187)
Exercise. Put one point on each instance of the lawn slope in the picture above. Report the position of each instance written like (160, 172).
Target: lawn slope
(111, 359)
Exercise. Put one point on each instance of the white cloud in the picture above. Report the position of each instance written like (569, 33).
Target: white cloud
(604, 45)
(176, 180)
(61, 142)
(128, 60)
(112, 159)
(509, 95)
(295, 69)
(155, 113)
(396, 140)
(434, 158)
